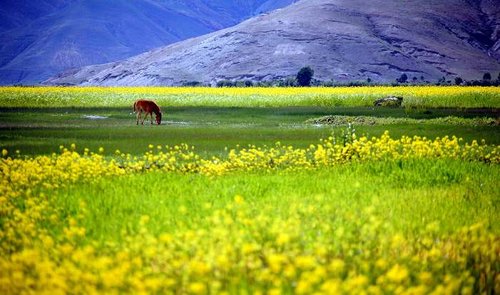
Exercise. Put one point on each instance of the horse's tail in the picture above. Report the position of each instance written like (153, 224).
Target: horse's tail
(135, 107)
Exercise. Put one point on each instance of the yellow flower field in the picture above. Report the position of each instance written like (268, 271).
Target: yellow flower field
(309, 246)
(414, 96)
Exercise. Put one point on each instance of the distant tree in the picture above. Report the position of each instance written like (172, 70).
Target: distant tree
(402, 79)
(487, 77)
(291, 81)
(192, 83)
(248, 83)
(329, 83)
(498, 78)
(263, 84)
(368, 80)
(414, 79)
(356, 83)
(458, 81)
(226, 83)
(315, 82)
(304, 76)
(288, 82)
(441, 81)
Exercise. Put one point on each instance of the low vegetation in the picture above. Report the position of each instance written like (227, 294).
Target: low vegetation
(403, 80)
(337, 120)
(414, 97)
(303, 221)
(254, 203)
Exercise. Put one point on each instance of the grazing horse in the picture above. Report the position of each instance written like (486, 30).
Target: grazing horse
(149, 107)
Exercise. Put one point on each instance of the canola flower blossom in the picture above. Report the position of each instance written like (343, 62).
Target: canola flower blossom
(238, 248)
(414, 96)
(328, 152)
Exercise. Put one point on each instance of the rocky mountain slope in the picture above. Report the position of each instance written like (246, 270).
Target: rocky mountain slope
(40, 38)
(343, 40)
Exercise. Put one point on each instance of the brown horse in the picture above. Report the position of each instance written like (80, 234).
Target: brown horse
(149, 107)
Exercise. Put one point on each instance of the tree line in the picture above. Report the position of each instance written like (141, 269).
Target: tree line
(305, 78)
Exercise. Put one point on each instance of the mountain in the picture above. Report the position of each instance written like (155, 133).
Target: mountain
(343, 40)
(41, 38)
(17, 13)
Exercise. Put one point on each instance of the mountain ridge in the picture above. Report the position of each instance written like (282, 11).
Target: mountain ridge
(40, 39)
(342, 40)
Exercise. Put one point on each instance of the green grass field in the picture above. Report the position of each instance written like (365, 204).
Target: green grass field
(211, 129)
(409, 203)
(326, 217)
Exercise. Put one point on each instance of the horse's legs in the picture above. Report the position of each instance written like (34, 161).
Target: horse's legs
(151, 117)
(138, 116)
(144, 118)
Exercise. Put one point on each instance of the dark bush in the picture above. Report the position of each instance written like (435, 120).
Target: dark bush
(226, 83)
(192, 83)
(402, 79)
(288, 82)
(304, 76)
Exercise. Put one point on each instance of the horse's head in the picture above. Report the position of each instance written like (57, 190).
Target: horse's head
(158, 118)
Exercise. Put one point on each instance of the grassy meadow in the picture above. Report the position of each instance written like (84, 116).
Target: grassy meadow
(37, 120)
(254, 190)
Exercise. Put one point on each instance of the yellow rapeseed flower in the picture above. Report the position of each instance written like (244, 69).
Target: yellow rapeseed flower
(197, 288)
(397, 274)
